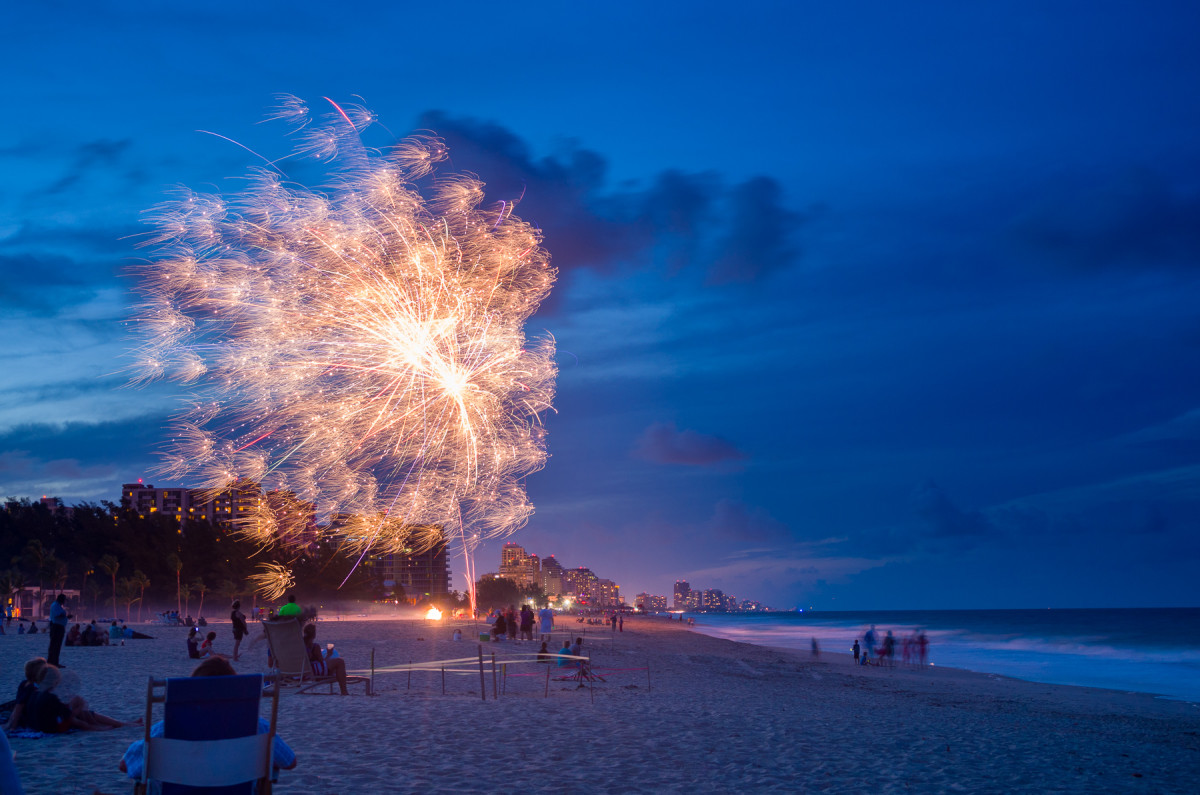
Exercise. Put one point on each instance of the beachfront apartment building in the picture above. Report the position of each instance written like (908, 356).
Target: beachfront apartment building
(683, 593)
(519, 566)
(422, 575)
(222, 508)
(550, 578)
(580, 584)
(650, 603)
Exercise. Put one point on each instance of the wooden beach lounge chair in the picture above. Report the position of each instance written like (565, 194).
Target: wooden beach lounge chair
(210, 741)
(292, 666)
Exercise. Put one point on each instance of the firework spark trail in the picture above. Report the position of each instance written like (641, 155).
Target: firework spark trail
(272, 581)
(362, 350)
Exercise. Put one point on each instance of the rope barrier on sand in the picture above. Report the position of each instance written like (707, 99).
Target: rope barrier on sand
(578, 668)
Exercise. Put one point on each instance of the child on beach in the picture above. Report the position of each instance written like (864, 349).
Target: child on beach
(50, 715)
(206, 648)
(20, 718)
(563, 653)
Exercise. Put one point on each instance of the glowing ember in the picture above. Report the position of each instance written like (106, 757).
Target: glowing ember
(434, 614)
(360, 350)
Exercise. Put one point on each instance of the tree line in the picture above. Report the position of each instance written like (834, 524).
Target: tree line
(124, 564)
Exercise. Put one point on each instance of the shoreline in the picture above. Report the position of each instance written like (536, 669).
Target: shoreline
(1025, 656)
(710, 715)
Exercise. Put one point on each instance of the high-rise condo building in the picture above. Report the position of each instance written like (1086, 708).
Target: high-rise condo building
(683, 593)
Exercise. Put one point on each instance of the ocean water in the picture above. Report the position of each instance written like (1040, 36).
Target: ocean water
(1147, 650)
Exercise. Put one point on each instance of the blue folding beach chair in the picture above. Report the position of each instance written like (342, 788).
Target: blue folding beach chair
(210, 741)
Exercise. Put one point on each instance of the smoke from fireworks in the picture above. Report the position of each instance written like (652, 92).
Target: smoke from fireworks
(361, 349)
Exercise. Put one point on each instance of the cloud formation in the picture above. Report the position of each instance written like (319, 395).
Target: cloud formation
(677, 222)
(1139, 219)
(663, 443)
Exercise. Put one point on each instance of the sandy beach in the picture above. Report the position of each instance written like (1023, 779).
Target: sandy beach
(713, 716)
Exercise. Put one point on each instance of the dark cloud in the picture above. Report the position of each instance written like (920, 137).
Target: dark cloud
(89, 156)
(45, 269)
(735, 521)
(681, 221)
(120, 449)
(939, 527)
(663, 443)
(944, 519)
(1139, 219)
(760, 236)
(111, 241)
(44, 285)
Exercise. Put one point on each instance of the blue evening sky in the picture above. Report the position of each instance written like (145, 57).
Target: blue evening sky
(861, 305)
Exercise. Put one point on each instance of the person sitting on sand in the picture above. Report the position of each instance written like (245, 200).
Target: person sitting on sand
(50, 715)
(283, 757)
(73, 636)
(326, 662)
(114, 634)
(193, 643)
(500, 628)
(33, 628)
(563, 653)
(206, 648)
(20, 718)
(543, 654)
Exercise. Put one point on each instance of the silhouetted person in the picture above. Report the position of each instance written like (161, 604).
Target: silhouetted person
(58, 627)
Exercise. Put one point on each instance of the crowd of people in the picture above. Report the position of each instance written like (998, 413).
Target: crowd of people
(914, 648)
(39, 708)
(506, 624)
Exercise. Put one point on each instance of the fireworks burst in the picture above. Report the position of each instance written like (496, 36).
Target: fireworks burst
(272, 581)
(361, 350)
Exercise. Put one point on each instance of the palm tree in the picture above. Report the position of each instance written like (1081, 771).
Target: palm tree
(110, 565)
(93, 593)
(89, 569)
(229, 589)
(142, 582)
(175, 563)
(199, 586)
(185, 593)
(129, 594)
(56, 572)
